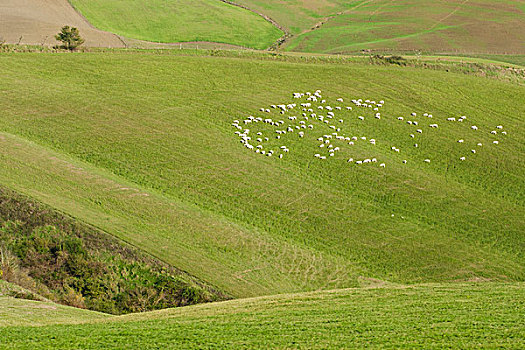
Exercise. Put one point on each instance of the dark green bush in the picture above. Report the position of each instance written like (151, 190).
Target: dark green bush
(77, 265)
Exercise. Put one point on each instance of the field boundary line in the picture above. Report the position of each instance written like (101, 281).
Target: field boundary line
(268, 19)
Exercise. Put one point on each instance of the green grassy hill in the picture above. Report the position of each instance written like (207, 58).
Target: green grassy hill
(180, 21)
(486, 315)
(16, 312)
(472, 26)
(141, 146)
(327, 26)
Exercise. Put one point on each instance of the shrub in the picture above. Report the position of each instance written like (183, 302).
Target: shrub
(70, 38)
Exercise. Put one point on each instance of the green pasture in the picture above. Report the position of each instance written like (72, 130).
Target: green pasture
(474, 315)
(180, 21)
(141, 146)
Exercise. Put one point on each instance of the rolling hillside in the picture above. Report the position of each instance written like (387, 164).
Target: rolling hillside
(144, 149)
(486, 315)
(180, 21)
(20, 312)
(471, 27)
(459, 26)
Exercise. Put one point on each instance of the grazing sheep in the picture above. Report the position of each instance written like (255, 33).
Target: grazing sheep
(382, 165)
(462, 158)
(427, 160)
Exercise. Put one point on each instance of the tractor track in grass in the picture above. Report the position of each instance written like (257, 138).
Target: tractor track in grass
(321, 23)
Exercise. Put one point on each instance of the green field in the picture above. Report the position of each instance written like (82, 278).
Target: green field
(479, 315)
(472, 27)
(20, 312)
(144, 150)
(180, 21)
(458, 26)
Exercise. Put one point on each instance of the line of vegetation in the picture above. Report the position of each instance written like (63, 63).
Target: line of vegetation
(496, 70)
(74, 264)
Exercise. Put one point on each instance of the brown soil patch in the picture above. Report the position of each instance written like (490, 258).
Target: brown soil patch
(35, 22)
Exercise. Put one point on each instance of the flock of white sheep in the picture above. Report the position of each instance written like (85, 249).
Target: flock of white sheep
(311, 113)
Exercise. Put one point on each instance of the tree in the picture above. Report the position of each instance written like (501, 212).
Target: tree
(70, 38)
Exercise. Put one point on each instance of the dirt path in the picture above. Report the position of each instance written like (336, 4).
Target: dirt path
(449, 15)
(35, 22)
(327, 19)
